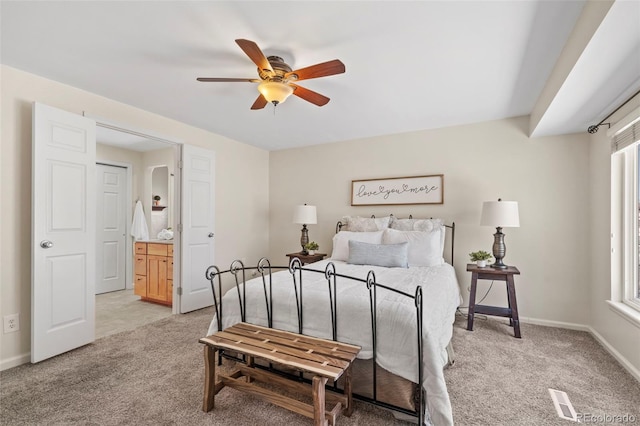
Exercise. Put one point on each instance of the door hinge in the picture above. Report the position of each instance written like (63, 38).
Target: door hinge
(179, 227)
(180, 164)
(179, 291)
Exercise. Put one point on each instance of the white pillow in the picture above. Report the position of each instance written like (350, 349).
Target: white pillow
(425, 248)
(423, 225)
(341, 242)
(387, 255)
(365, 224)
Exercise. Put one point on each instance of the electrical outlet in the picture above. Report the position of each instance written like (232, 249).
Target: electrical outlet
(11, 323)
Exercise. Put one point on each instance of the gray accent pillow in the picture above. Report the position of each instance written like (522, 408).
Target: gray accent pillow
(387, 255)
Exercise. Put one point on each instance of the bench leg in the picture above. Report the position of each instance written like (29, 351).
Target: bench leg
(209, 378)
(348, 392)
(319, 401)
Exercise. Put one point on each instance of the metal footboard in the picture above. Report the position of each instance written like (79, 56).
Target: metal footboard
(265, 270)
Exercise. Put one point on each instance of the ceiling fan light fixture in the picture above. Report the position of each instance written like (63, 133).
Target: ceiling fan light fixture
(275, 91)
(277, 79)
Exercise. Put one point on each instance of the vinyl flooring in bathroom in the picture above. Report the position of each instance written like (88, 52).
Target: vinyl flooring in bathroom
(122, 310)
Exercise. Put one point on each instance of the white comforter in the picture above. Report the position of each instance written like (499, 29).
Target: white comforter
(396, 318)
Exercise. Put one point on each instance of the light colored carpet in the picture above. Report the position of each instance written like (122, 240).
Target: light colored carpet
(501, 380)
(154, 375)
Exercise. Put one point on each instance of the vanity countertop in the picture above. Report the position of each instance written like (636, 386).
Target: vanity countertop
(155, 241)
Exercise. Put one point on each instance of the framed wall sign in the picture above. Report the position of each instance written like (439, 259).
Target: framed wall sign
(394, 191)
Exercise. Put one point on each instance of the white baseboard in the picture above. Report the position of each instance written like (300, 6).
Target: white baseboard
(558, 324)
(6, 364)
(617, 355)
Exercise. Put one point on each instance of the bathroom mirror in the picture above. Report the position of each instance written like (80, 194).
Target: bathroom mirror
(160, 200)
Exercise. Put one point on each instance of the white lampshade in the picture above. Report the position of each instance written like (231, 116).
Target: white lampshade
(305, 215)
(274, 91)
(503, 214)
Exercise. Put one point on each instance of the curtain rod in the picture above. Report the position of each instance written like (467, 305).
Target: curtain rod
(594, 129)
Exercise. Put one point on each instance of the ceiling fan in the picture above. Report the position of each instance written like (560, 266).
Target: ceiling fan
(277, 79)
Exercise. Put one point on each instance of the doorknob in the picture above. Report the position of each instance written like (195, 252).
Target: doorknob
(46, 244)
(210, 234)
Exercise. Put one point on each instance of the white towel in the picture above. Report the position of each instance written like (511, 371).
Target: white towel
(165, 234)
(139, 228)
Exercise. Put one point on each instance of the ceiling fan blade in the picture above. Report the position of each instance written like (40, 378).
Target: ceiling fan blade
(260, 102)
(309, 95)
(255, 54)
(319, 70)
(228, 80)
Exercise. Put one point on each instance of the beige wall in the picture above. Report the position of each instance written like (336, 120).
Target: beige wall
(242, 192)
(151, 160)
(548, 177)
(562, 185)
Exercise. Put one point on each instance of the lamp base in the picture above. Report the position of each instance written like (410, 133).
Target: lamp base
(499, 249)
(304, 239)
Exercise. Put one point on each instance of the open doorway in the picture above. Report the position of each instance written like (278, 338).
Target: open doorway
(64, 209)
(146, 165)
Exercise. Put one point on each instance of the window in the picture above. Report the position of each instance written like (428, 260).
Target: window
(625, 219)
(635, 289)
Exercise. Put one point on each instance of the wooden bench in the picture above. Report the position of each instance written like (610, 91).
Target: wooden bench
(323, 359)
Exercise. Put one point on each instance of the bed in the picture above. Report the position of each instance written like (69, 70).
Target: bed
(387, 290)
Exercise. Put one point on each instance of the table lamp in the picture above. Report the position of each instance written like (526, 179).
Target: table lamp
(305, 215)
(501, 214)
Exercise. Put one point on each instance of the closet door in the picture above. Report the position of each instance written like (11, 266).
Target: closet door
(198, 219)
(111, 225)
(63, 270)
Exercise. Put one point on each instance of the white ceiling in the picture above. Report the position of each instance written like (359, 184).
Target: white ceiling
(411, 65)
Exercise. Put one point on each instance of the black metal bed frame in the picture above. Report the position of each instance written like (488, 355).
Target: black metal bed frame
(265, 271)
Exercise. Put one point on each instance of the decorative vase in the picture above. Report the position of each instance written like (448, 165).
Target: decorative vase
(311, 252)
(481, 263)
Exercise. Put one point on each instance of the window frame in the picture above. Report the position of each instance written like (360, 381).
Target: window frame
(625, 228)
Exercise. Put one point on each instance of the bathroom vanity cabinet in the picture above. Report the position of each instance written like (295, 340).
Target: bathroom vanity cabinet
(153, 265)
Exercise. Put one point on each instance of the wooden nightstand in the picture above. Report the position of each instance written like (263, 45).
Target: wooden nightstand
(307, 258)
(489, 273)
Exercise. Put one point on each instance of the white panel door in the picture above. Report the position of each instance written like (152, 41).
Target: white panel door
(197, 250)
(111, 228)
(63, 232)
